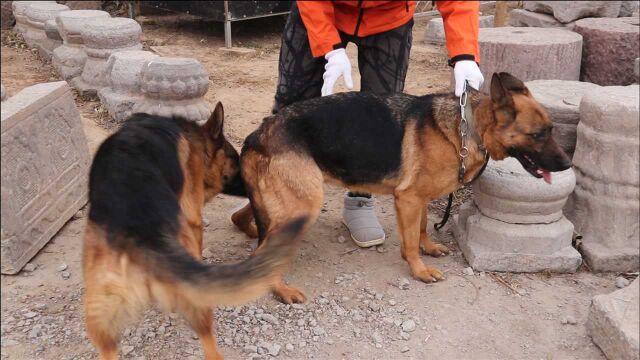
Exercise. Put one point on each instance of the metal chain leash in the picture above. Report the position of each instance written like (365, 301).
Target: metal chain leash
(464, 131)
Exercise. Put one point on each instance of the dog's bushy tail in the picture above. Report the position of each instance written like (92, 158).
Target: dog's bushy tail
(225, 284)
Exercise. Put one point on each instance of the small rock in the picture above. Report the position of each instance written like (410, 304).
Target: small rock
(250, 349)
(381, 249)
(206, 222)
(404, 349)
(408, 326)
(318, 331)
(289, 347)
(30, 267)
(65, 275)
(403, 283)
(468, 271)
(274, 349)
(341, 239)
(30, 314)
(405, 336)
(8, 342)
(127, 349)
(376, 337)
(569, 320)
(268, 318)
(374, 307)
(621, 282)
(392, 302)
(36, 331)
(62, 267)
(521, 291)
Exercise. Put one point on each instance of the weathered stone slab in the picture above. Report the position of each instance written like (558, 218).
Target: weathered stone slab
(7, 20)
(604, 206)
(614, 322)
(435, 34)
(18, 8)
(125, 75)
(561, 99)
(101, 38)
(609, 48)
(515, 222)
(568, 11)
(530, 53)
(174, 87)
(69, 58)
(525, 18)
(37, 14)
(45, 163)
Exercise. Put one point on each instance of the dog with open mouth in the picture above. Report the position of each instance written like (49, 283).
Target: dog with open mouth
(399, 144)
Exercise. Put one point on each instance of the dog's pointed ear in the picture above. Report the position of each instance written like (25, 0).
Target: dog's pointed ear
(512, 83)
(215, 123)
(500, 95)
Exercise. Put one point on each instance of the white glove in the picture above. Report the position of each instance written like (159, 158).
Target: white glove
(338, 64)
(467, 70)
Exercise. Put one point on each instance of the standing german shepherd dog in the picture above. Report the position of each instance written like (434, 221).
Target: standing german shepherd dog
(399, 144)
(143, 243)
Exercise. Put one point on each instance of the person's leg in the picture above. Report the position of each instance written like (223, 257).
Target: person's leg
(299, 73)
(383, 60)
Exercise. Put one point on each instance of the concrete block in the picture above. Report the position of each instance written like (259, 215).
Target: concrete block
(604, 206)
(508, 193)
(492, 245)
(434, 33)
(7, 20)
(609, 48)
(18, 8)
(614, 323)
(525, 18)
(125, 74)
(530, 53)
(69, 58)
(561, 99)
(45, 163)
(174, 87)
(628, 8)
(568, 11)
(37, 14)
(103, 37)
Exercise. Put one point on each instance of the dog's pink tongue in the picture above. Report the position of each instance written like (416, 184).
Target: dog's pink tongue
(546, 176)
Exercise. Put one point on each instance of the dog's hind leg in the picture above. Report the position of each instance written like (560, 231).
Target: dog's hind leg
(429, 247)
(244, 220)
(201, 321)
(409, 210)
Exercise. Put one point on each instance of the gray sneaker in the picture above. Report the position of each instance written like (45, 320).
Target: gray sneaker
(360, 219)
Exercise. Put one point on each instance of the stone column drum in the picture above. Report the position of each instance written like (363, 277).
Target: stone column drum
(37, 14)
(604, 206)
(561, 100)
(18, 8)
(175, 87)
(434, 32)
(69, 58)
(515, 222)
(530, 53)
(610, 47)
(123, 92)
(102, 38)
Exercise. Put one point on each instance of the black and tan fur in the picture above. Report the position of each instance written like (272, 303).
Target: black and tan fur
(399, 144)
(143, 243)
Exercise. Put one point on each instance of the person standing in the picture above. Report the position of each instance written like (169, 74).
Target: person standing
(313, 58)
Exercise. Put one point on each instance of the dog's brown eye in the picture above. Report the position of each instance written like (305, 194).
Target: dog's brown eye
(539, 136)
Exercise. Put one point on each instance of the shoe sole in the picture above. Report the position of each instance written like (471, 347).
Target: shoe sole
(365, 244)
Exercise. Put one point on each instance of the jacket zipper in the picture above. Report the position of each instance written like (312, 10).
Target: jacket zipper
(355, 32)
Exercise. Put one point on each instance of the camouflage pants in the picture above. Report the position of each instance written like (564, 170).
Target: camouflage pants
(382, 61)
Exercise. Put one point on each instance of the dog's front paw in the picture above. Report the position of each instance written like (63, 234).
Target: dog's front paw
(428, 274)
(434, 249)
(289, 295)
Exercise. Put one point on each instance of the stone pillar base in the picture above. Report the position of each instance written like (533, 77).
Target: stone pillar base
(119, 105)
(493, 245)
(601, 258)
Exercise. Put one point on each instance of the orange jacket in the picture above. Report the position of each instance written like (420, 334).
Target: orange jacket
(323, 19)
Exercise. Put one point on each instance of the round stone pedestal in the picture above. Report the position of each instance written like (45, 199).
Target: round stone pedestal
(37, 14)
(18, 8)
(515, 222)
(561, 100)
(123, 92)
(610, 48)
(69, 58)
(102, 38)
(175, 87)
(530, 53)
(604, 206)
(51, 42)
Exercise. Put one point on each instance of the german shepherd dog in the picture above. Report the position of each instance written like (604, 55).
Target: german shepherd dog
(143, 243)
(399, 144)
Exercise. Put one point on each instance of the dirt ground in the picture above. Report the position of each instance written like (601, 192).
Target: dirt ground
(356, 308)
